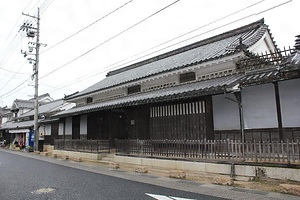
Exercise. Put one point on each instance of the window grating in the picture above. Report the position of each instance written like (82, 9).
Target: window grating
(186, 77)
(178, 109)
(134, 89)
(89, 100)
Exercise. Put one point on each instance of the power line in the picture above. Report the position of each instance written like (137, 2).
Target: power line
(51, 34)
(14, 72)
(180, 36)
(16, 24)
(12, 76)
(45, 5)
(232, 22)
(257, 13)
(35, 5)
(27, 5)
(127, 29)
(107, 68)
(11, 47)
(86, 27)
(6, 94)
(5, 55)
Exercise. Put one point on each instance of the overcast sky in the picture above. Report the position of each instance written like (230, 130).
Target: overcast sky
(87, 38)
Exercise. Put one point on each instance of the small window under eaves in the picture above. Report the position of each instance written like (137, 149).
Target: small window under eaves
(89, 100)
(134, 89)
(186, 77)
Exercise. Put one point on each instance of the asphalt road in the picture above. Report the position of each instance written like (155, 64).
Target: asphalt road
(28, 178)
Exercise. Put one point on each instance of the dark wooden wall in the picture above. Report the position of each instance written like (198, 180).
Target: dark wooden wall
(138, 123)
(117, 125)
(190, 120)
(98, 125)
(76, 127)
(49, 139)
(185, 120)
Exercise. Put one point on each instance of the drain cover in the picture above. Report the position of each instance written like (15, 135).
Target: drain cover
(43, 191)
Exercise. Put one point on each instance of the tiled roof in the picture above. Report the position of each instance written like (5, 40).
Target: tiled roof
(270, 75)
(17, 125)
(45, 108)
(19, 103)
(259, 77)
(195, 89)
(209, 49)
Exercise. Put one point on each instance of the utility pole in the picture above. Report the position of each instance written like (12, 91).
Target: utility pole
(31, 33)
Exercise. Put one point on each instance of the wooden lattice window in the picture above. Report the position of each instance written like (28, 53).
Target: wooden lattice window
(89, 100)
(134, 89)
(186, 77)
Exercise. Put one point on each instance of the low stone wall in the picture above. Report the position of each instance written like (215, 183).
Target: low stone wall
(77, 155)
(240, 171)
(48, 148)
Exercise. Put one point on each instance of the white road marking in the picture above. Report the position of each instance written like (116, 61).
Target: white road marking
(178, 198)
(43, 191)
(163, 197)
(159, 197)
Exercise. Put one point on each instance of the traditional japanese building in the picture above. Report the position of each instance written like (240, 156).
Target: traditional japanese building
(217, 88)
(19, 129)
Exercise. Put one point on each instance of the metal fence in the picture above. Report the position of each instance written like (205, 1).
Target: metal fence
(228, 150)
(88, 146)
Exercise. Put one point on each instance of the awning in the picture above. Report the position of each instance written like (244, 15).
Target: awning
(19, 131)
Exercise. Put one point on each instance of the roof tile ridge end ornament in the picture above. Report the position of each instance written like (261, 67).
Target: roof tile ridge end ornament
(209, 40)
(67, 97)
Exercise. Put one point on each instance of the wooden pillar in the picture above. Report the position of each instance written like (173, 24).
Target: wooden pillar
(278, 108)
(209, 119)
(238, 96)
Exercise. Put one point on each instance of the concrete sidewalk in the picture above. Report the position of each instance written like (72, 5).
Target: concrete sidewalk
(179, 184)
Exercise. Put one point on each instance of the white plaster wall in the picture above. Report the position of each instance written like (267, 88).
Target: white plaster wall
(259, 106)
(109, 93)
(83, 125)
(289, 92)
(48, 129)
(225, 112)
(160, 81)
(263, 45)
(170, 77)
(225, 65)
(68, 126)
(61, 129)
